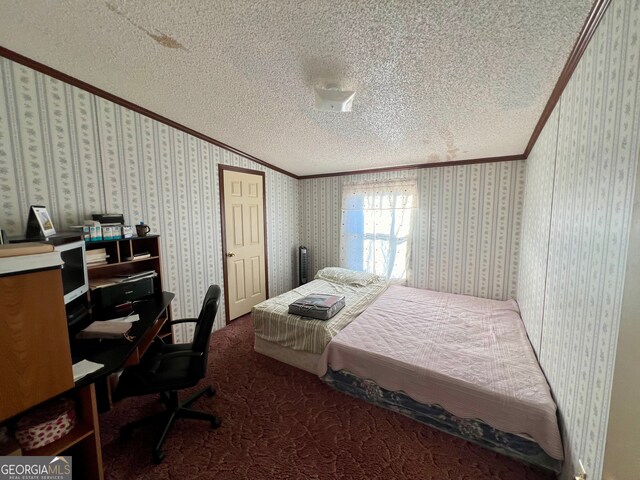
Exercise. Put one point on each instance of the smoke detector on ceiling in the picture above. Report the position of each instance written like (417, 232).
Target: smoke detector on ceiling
(331, 99)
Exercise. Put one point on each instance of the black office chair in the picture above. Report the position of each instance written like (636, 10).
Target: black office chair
(165, 369)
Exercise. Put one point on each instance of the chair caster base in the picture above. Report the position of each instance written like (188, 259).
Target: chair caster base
(215, 423)
(158, 456)
(211, 392)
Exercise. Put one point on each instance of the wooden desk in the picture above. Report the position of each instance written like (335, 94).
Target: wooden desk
(117, 354)
(83, 442)
(36, 355)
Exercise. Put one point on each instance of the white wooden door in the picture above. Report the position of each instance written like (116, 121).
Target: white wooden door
(243, 196)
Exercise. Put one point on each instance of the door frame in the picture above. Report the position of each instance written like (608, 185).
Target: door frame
(221, 169)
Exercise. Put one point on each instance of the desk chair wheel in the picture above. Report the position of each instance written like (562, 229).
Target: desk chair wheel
(211, 391)
(158, 456)
(215, 422)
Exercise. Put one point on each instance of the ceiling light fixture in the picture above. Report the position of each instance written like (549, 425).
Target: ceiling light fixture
(331, 99)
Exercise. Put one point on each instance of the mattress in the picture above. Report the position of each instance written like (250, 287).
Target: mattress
(520, 447)
(469, 355)
(273, 323)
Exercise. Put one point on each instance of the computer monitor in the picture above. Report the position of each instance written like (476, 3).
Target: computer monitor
(74, 270)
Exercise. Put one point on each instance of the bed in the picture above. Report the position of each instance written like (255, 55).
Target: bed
(301, 341)
(461, 364)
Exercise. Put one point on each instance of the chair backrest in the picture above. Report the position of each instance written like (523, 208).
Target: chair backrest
(202, 333)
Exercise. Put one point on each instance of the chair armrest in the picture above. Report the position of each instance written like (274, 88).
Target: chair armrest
(184, 320)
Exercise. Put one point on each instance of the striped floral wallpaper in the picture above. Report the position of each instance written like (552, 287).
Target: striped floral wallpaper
(49, 149)
(474, 228)
(532, 274)
(319, 206)
(574, 309)
(77, 154)
(467, 232)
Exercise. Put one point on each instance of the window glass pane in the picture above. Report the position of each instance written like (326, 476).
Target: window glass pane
(376, 227)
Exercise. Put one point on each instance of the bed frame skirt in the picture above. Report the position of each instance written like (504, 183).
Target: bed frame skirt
(475, 431)
(297, 358)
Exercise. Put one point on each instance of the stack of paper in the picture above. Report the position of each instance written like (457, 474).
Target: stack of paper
(128, 319)
(97, 257)
(84, 368)
(27, 256)
(138, 256)
(106, 329)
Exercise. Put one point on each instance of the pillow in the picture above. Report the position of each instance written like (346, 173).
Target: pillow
(348, 277)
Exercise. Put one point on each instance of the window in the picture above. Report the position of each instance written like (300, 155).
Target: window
(377, 226)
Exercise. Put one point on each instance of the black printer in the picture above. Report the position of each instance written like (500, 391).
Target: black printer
(109, 297)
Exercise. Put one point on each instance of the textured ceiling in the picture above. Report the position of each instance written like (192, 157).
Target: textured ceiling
(435, 81)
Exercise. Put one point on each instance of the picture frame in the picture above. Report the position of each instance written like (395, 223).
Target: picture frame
(39, 223)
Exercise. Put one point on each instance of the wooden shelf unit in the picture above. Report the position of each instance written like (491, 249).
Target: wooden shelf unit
(83, 442)
(120, 251)
(79, 433)
(119, 264)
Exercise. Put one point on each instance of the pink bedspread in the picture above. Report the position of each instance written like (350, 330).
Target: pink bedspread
(469, 355)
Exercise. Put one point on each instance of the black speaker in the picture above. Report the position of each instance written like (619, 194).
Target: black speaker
(303, 265)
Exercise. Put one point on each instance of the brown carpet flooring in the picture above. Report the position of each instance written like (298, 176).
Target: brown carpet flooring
(281, 422)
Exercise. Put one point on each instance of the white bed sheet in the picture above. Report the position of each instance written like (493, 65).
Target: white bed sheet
(469, 355)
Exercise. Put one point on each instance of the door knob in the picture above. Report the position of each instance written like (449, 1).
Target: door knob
(231, 254)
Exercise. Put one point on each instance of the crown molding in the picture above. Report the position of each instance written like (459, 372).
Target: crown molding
(588, 30)
(471, 161)
(57, 74)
